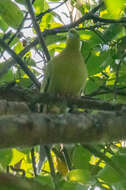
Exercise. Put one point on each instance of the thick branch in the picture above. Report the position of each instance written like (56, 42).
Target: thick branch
(7, 108)
(33, 96)
(28, 130)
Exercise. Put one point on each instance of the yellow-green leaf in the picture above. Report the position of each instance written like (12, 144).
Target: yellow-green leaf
(3, 25)
(115, 7)
(79, 175)
(10, 13)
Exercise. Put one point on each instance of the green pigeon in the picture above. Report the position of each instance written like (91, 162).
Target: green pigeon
(66, 73)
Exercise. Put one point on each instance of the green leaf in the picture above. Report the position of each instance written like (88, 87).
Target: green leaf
(93, 84)
(40, 6)
(30, 62)
(14, 41)
(9, 76)
(45, 181)
(79, 175)
(111, 175)
(115, 7)
(5, 157)
(64, 185)
(25, 82)
(113, 32)
(18, 47)
(50, 39)
(17, 155)
(91, 38)
(3, 24)
(11, 13)
(120, 185)
(80, 158)
(97, 62)
(121, 160)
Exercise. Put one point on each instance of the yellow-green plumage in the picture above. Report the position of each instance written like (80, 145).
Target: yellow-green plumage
(67, 71)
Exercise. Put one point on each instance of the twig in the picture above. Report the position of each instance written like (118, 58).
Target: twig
(33, 1)
(20, 62)
(18, 30)
(116, 79)
(37, 29)
(99, 35)
(92, 27)
(100, 92)
(47, 150)
(67, 158)
(33, 161)
(104, 20)
(117, 75)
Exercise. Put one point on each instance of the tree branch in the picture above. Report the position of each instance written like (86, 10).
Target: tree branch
(37, 29)
(9, 108)
(33, 97)
(30, 129)
(104, 20)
